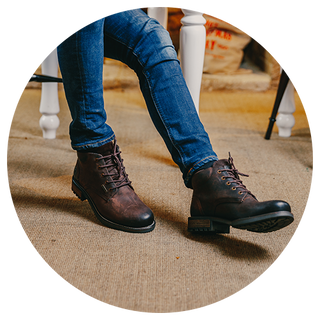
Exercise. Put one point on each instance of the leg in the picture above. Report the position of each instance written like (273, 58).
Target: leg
(49, 105)
(161, 81)
(220, 200)
(280, 92)
(146, 47)
(99, 175)
(81, 64)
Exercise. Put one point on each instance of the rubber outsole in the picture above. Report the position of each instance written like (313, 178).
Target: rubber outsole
(262, 224)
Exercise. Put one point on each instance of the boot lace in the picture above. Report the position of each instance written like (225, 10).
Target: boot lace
(115, 168)
(234, 174)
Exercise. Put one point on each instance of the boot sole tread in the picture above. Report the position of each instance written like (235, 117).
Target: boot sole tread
(262, 224)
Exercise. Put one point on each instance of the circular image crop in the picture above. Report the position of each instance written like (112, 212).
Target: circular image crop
(151, 160)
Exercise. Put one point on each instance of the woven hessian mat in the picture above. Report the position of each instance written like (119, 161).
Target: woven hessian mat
(168, 269)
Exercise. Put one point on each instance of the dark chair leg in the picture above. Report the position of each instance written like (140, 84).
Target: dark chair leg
(284, 79)
(44, 78)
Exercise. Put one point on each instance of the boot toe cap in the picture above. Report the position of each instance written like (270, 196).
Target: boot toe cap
(276, 206)
(143, 219)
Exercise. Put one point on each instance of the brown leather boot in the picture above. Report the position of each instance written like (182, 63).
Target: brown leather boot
(220, 200)
(101, 179)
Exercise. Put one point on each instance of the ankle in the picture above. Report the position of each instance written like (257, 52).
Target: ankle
(104, 149)
(204, 166)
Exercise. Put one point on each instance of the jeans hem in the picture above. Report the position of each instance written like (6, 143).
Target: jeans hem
(93, 144)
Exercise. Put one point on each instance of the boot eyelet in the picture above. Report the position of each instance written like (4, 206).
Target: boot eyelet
(240, 192)
(233, 188)
(228, 183)
(223, 178)
(219, 171)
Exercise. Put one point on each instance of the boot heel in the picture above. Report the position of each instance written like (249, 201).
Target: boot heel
(205, 224)
(77, 191)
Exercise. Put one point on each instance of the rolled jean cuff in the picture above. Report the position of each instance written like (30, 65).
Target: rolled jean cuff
(195, 167)
(93, 144)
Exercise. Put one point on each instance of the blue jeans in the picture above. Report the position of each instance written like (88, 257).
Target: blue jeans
(145, 46)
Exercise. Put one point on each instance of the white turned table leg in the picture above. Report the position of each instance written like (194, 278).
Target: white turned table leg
(285, 119)
(160, 14)
(49, 105)
(192, 49)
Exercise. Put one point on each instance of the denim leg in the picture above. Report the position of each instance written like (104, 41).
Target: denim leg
(81, 64)
(140, 42)
(145, 46)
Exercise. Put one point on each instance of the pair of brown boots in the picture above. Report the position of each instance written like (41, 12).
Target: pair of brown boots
(220, 199)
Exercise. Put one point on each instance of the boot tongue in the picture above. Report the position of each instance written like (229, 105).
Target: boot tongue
(223, 163)
(105, 149)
